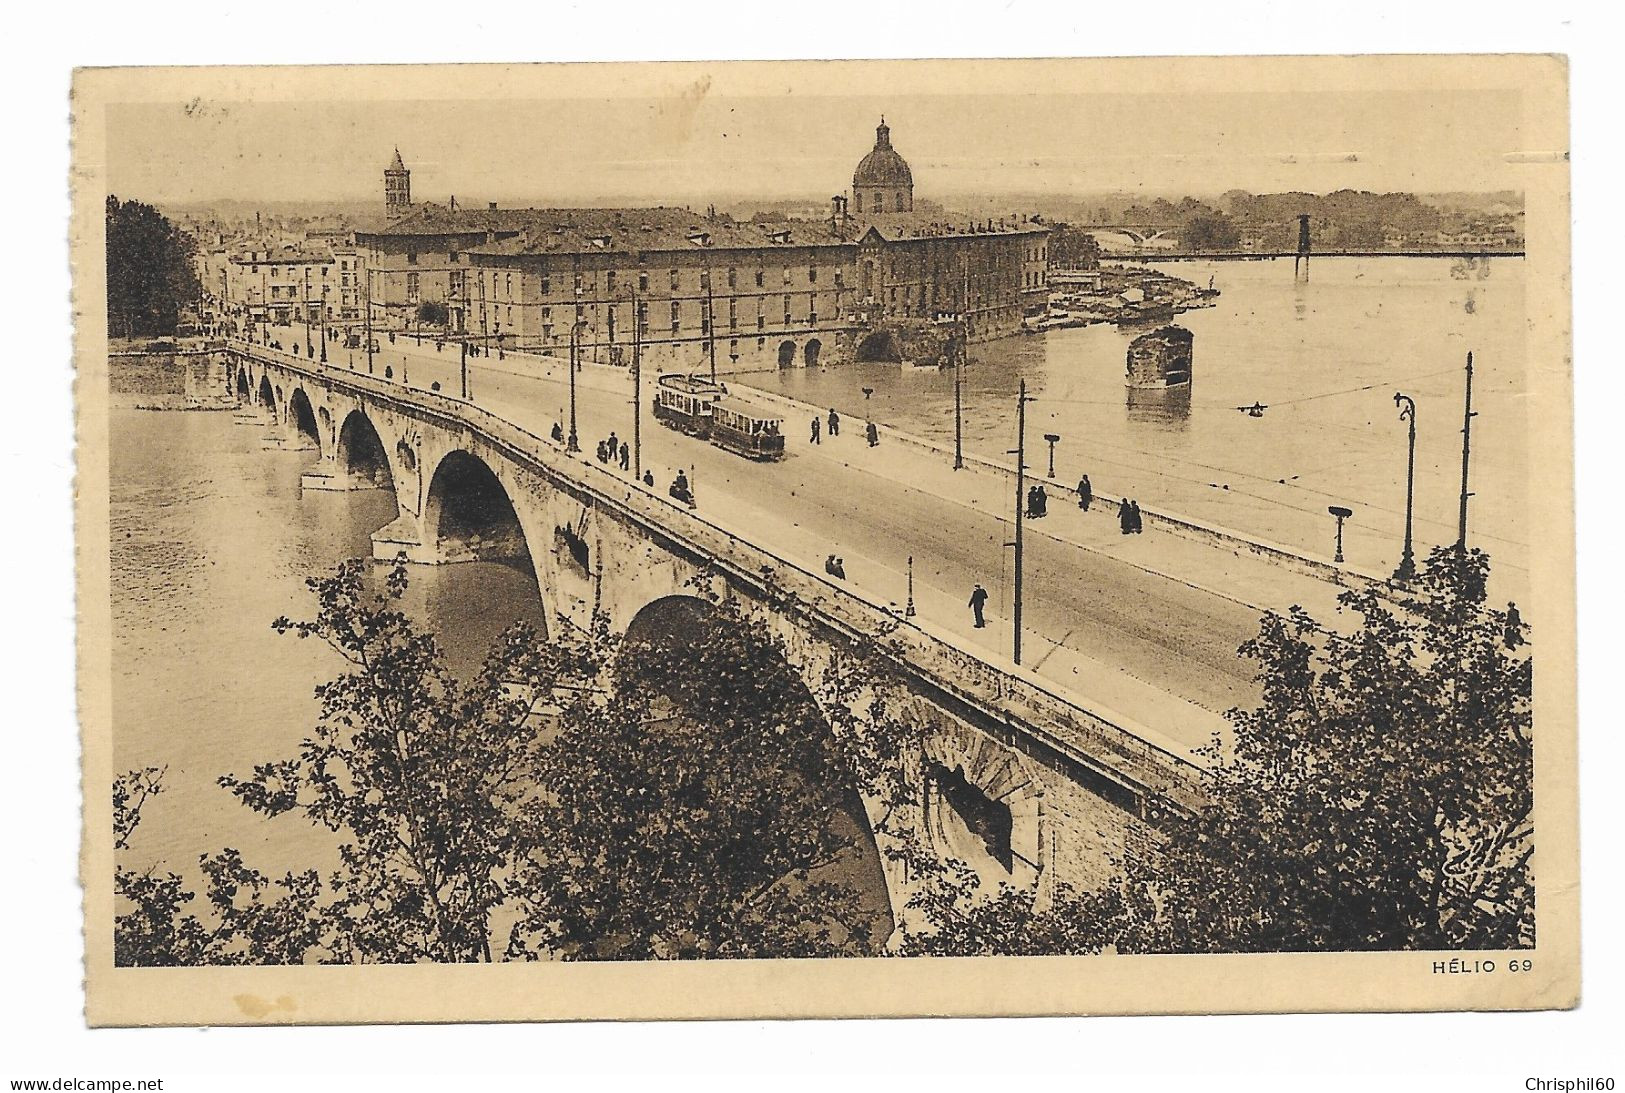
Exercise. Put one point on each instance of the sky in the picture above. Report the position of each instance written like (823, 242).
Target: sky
(705, 140)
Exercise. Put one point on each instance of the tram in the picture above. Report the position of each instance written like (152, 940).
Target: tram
(685, 403)
(746, 430)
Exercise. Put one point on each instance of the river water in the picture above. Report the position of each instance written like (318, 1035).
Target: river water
(1325, 357)
(211, 542)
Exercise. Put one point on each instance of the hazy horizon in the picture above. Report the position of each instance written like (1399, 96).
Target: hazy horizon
(683, 150)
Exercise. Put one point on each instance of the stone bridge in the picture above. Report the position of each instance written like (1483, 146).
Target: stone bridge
(1025, 785)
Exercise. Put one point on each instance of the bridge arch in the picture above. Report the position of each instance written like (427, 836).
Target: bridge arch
(469, 516)
(663, 641)
(267, 395)
(882, 346)
(243, 391)
(361, 454)
(302, 416)
(787, 353)
(811, 351)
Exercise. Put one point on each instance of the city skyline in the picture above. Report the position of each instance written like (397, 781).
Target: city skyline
(756, 147)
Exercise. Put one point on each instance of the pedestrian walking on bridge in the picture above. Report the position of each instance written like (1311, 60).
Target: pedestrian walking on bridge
(815, 426)
(1086, 493)
(873, 434)
(978, 599)
(834, 423)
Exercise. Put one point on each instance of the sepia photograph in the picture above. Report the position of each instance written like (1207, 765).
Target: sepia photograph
(827, 538)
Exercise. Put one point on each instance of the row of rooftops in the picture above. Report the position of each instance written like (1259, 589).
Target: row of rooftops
(511, 232)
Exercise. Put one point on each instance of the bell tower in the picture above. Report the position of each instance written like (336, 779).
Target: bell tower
(397, 189)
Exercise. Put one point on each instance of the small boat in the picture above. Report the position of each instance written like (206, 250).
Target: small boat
(1160, 360)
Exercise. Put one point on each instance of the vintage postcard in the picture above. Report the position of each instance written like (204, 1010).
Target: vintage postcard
(741, 540)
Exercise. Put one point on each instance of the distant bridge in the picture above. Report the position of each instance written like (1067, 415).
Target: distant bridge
(1081, 791)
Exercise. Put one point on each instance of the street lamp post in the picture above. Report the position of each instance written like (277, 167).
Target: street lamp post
(1342, 514)
(1407, 413)
(908, 611)
(464, 345)
(324, 323)
(1052, 438)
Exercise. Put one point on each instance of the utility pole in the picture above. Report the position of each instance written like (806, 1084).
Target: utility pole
(464, 344)
(637, 387)
(572, 444)
(1466, 450)
(1021, 490)
(961, 351)
(369, 319)
(710, 325)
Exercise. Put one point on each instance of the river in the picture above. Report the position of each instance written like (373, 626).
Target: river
(1325, 358)
(211, 541)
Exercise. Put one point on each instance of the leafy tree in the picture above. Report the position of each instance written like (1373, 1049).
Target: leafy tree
(1210, 231)
(957, 916)
(1380, 796)
(433, 312)
(707, 809)
(572, 799)
(150, 273)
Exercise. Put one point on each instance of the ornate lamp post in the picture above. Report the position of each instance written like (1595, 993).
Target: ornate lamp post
(1052, 438)
(572, 443)
(1342, 514)
(1407, 413)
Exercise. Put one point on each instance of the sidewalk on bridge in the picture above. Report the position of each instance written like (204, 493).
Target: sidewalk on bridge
(1214, 568)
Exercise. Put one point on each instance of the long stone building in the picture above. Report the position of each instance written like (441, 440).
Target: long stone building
(872, 280)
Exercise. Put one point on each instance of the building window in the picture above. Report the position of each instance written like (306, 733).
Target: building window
(674, 280)
(578, 282)
(761, 278)
(705, 280)
(643, 280)
(812, 275)
(451, 256)
(761, 321)
(676, 312)
(733, 314)
(609, 281)
(507, 286)
(733, 277)
(411, 257)
(812, 308)
(786, 274)
(547, 316)
(547, 284)
(411, 288)
(510, 317)
(456, 282)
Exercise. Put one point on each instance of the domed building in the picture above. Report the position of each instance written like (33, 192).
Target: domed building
(883, 182)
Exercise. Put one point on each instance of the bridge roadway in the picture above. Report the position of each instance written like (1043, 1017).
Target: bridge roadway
(1156, 646)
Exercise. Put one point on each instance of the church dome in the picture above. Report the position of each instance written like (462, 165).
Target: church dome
(882, 166)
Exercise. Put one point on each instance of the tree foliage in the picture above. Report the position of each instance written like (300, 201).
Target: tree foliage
(1380, 796)
(574, 799)
(150, 274)
(687, 793)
